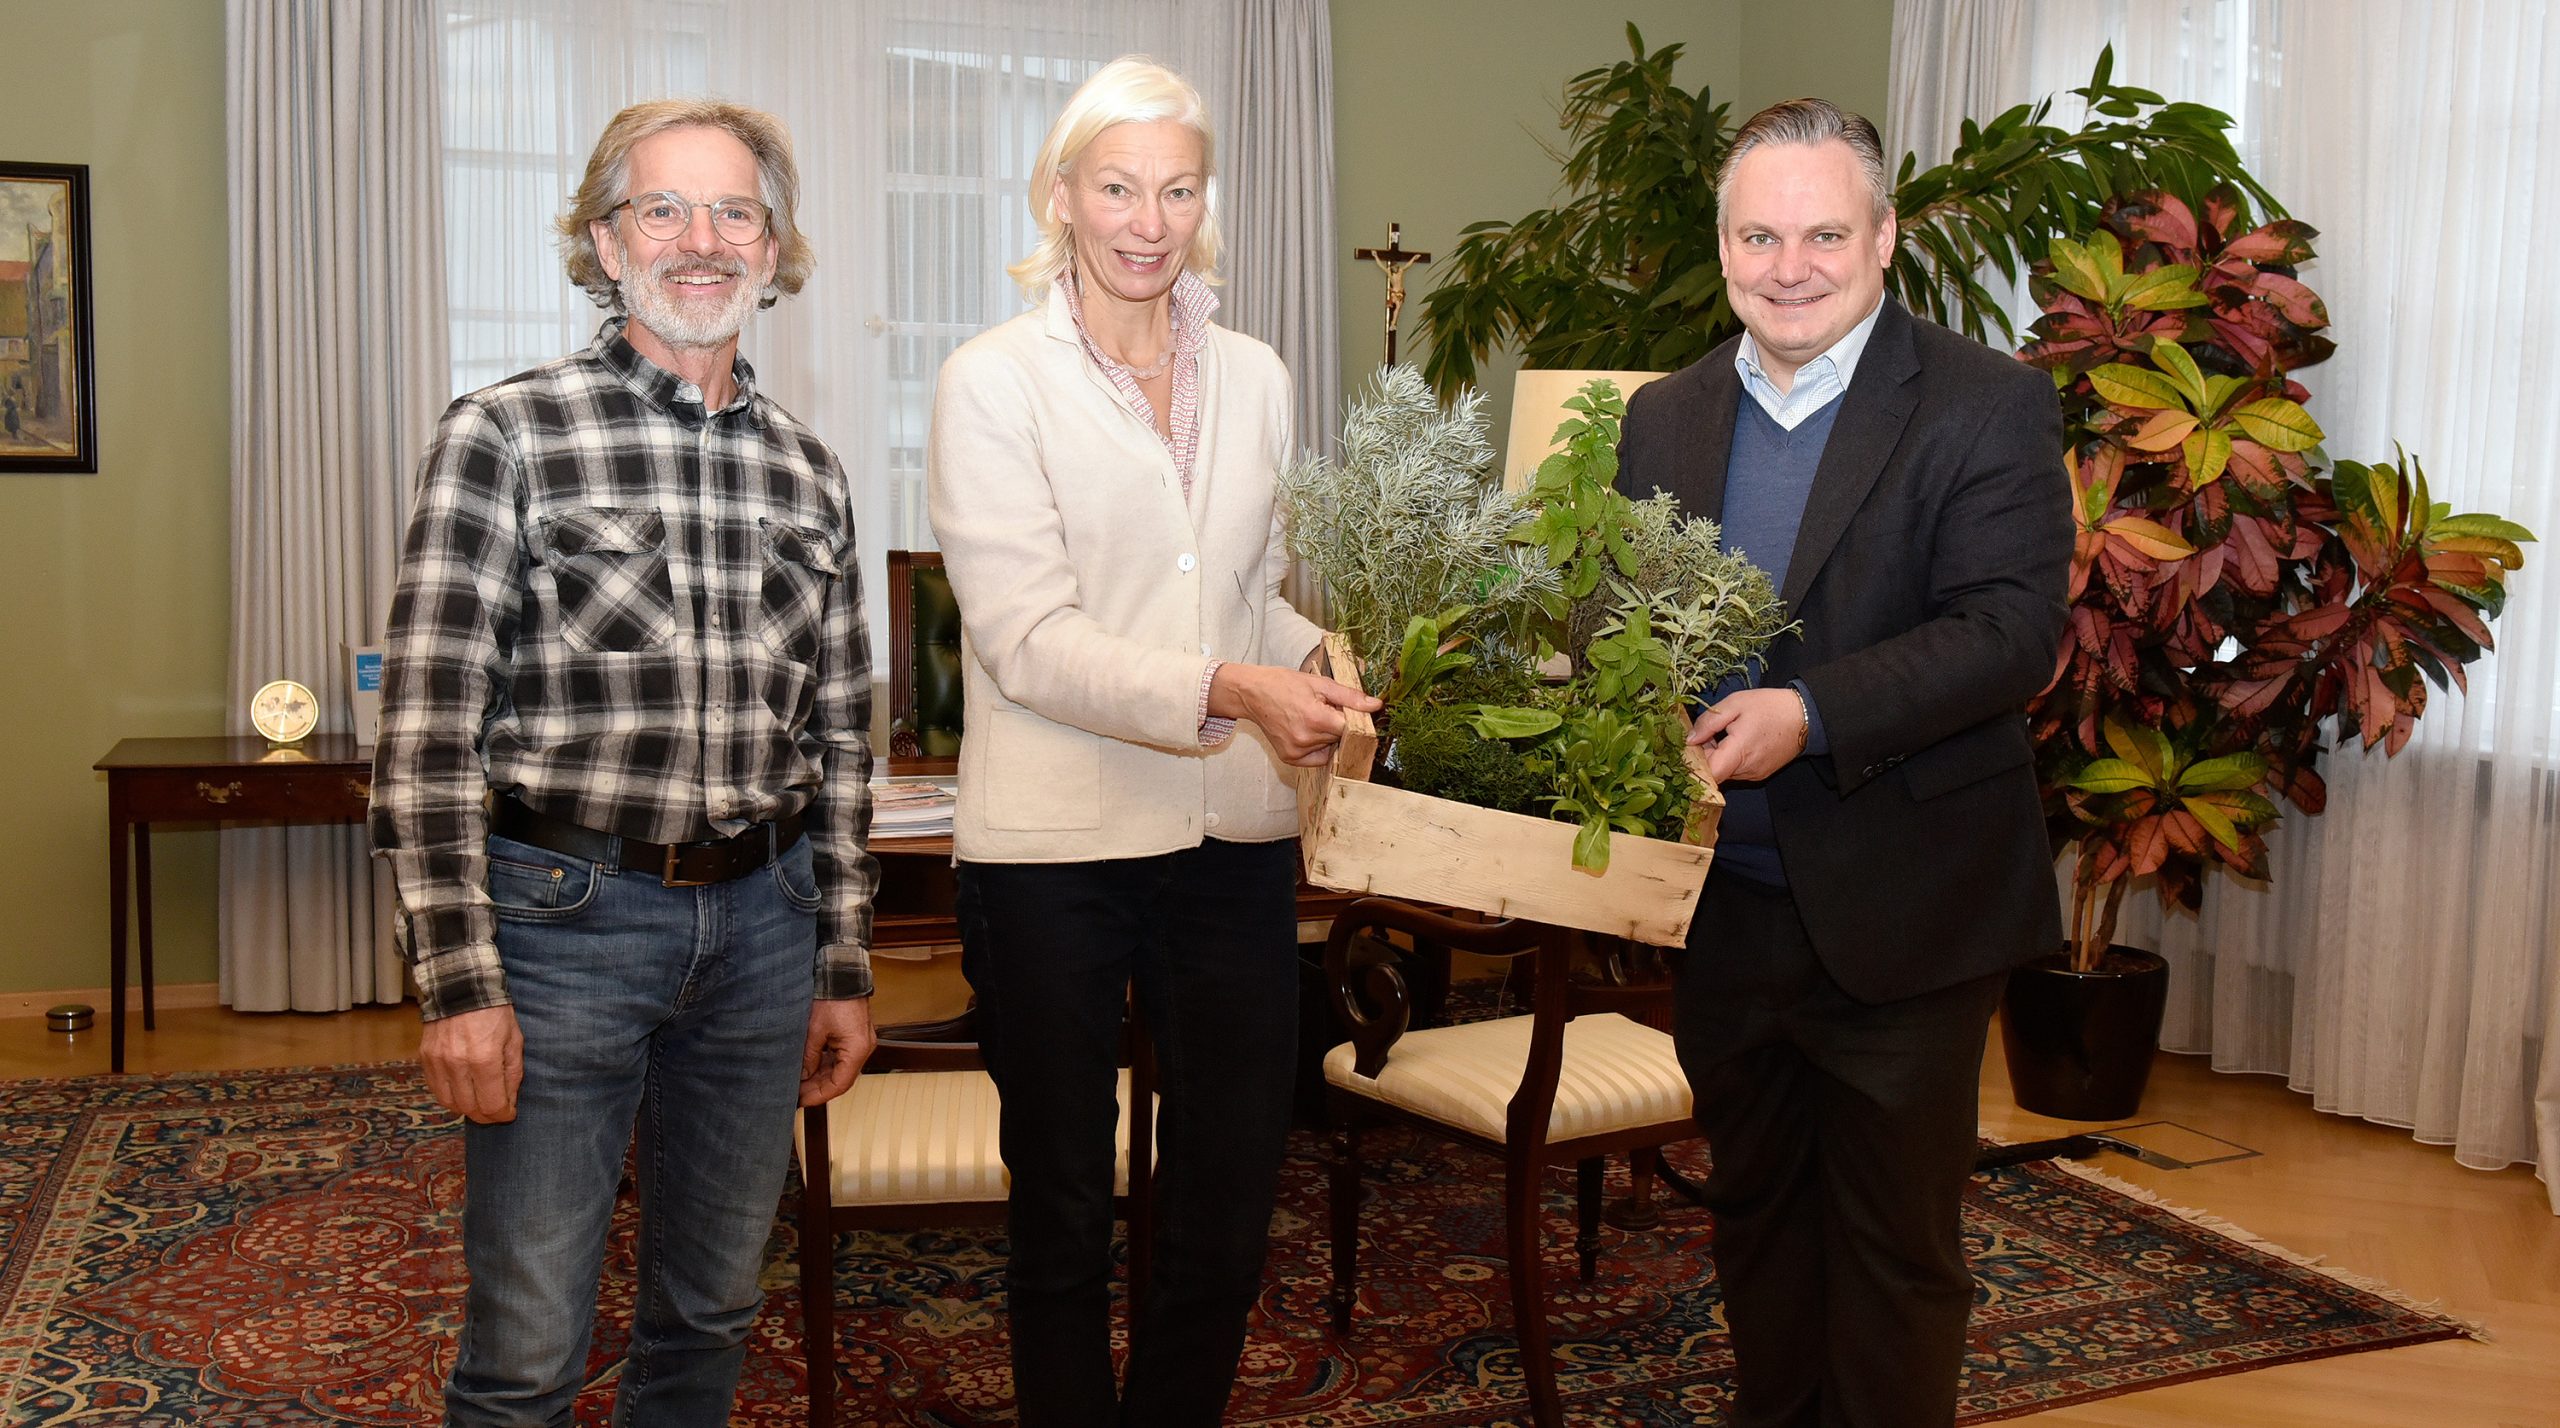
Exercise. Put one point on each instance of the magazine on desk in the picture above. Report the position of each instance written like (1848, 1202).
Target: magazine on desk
(913, 805)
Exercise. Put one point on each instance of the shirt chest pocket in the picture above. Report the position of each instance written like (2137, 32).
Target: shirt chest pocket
(610, 568)
(801, 568)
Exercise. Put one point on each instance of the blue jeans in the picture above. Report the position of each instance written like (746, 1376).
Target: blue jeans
(1208, 937)
(684, 1009)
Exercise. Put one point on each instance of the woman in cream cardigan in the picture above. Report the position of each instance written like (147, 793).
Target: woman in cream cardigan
(1100, 480)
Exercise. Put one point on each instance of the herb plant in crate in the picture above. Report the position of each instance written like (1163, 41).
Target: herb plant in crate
(2237, 600)
(1448, 593)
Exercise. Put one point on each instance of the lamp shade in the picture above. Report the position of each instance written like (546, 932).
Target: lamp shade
(1537, 409)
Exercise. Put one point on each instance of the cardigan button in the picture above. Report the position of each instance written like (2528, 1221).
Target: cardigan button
(1184, 562)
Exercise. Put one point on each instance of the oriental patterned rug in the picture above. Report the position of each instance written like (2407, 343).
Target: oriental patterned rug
(278, 1248)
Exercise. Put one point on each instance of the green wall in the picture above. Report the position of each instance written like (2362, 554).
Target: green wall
(1838, 50)
(1444, 112)
(116, 584)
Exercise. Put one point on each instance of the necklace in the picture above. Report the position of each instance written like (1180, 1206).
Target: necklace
(1148, 373)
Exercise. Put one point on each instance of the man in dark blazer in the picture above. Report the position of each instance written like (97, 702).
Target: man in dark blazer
(1883, 861)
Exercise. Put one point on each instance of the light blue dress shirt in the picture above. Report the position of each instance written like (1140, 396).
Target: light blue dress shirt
(1817, 381)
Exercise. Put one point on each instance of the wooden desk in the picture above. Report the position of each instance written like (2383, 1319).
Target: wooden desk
(222, 780)
(913, 907)
(214, 780)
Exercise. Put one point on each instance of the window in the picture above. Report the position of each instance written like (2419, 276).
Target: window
(915, 121)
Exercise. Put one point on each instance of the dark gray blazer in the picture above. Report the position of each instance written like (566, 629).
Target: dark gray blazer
(1929, 575)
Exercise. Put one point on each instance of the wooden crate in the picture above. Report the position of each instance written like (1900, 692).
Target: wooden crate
(1357, 836)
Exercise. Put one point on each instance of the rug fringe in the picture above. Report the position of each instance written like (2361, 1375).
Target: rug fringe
(2207, 1220)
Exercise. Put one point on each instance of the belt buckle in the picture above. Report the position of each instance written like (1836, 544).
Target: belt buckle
(667, 876)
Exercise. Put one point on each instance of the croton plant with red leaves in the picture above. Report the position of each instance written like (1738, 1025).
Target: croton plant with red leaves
(2236, 598)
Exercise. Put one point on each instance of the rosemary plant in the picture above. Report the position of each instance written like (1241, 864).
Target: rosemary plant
(1409, 522)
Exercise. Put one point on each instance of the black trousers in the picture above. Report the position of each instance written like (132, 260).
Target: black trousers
(1843, 1134)
(1208, 936)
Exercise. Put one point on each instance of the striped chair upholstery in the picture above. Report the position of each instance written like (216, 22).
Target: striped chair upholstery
(1587, 1074)
(924, 1139)
(1618, 1075)
(914, 1142)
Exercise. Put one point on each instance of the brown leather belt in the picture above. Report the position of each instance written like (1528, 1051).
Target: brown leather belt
(678, 865)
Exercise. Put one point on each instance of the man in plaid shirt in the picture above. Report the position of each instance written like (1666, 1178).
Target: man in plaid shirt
(623, 784)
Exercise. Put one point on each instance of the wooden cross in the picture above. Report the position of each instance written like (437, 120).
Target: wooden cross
(1392, 260)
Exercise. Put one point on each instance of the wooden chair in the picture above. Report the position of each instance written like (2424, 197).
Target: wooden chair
(1572, 1082)
(913, 1143)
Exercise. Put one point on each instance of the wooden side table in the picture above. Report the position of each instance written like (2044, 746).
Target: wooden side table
(324, 780)
(209, 780)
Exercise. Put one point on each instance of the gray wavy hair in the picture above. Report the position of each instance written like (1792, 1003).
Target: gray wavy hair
(609, 176)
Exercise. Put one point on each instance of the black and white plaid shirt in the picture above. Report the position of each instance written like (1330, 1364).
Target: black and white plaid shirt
(635, 615)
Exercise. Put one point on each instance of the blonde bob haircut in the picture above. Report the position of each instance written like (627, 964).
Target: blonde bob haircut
(1132, 89)
(609, 177)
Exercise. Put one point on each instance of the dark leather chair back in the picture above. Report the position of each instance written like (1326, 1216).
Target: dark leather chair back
(925, 696)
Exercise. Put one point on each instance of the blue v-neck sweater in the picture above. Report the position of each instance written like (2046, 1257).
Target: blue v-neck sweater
(1768, 474)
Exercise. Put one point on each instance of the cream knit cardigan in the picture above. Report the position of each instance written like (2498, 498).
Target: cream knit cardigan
(1092, 597)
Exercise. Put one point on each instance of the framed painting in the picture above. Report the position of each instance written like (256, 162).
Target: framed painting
(48, 369)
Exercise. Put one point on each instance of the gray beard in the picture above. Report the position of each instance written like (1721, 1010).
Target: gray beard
(646, 298)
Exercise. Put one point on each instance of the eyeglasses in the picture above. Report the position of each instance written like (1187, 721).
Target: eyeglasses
(738, 221)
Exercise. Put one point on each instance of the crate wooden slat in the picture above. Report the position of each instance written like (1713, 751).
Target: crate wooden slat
(1356, 836)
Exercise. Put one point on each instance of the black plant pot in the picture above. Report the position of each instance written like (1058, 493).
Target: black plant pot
(2079, 1044)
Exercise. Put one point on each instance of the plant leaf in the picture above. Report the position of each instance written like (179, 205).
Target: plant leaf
(1494, 722)
(2231, 772)
(1591, 847)
(2214, 820)
(2278, 425)
(2129, 386)
(2111, 776)
(2182, 368)
(2077, 270)
(2150, 537)
(2165, 289)
(2208, 454)
(2162, 430)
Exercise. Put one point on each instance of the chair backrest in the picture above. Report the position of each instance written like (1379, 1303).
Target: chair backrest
(925, 699)
(929, 1046)
(1370, 997)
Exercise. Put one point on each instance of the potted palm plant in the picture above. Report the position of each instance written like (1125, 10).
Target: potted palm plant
(2237, 601)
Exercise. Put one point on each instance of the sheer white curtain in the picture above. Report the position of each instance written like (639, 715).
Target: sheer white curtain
(915, 121)
(337, 373)
(2404, 963)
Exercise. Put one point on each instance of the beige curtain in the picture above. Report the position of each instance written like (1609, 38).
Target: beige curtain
(338, 369)
(1282, 266)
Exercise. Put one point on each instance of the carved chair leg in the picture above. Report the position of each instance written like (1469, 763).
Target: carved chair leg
(1638, 1211)
(818, 1281)
(1344, 1193)
(1586, 1205)
(1528, 1293)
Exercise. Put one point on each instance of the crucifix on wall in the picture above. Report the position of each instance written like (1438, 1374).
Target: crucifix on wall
(1392, 260)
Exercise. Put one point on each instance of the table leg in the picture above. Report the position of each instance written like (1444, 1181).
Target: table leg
(142, 915)
(116, 833)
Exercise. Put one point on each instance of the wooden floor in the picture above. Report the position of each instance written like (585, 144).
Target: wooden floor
(2365, 1197)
